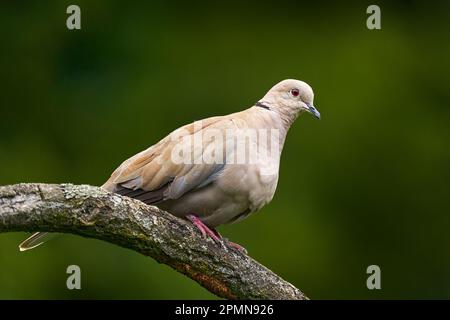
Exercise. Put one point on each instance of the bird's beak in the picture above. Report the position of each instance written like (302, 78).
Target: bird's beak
(311, 109)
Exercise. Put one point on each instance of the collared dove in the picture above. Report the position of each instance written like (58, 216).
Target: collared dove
(211, 193)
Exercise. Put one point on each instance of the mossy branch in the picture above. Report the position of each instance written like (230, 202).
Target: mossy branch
(92, 212)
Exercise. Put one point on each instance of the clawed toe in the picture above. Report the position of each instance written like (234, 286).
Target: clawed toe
(235, 246)
(213, 234)
(204, 229)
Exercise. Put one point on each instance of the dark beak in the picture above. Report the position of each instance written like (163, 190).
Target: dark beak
(311, 109)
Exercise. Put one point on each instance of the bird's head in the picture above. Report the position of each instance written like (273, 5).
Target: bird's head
(290, 98)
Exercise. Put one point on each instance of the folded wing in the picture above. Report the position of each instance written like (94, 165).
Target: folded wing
(153, 175)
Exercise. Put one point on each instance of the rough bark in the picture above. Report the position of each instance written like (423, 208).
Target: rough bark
(92, 212)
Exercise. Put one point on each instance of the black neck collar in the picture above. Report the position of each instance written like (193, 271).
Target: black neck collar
(262, 105)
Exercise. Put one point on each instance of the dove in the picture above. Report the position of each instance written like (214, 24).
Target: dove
(214, 171)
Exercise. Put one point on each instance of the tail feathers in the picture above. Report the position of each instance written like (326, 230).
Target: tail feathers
(34, 241)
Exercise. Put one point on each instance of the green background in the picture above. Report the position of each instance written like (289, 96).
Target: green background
(368, 184)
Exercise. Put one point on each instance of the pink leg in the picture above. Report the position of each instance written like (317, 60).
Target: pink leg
(213, 233)
(204, 229)
(233, 245)
(236, 246)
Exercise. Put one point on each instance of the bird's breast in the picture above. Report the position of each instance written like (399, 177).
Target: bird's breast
(254, 184)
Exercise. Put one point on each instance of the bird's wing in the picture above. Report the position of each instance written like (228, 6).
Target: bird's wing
(152, 176)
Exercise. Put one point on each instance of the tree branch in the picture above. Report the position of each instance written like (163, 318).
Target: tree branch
(92, 212)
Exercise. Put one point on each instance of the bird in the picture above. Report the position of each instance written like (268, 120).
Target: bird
(204, 182)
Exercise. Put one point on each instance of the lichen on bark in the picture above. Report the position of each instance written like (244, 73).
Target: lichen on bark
(93, 212)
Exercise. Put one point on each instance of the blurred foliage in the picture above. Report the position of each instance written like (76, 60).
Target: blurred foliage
(368, 184)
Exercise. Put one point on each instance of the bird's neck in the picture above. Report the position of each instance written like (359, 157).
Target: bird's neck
(264, 117)
(286, 113)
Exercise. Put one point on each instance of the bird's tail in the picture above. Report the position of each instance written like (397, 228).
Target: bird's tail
(35, 240)
(38, 238)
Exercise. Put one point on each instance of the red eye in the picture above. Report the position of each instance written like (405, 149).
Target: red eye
(295, 92)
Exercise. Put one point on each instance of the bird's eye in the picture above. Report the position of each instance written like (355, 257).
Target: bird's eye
(295, 92)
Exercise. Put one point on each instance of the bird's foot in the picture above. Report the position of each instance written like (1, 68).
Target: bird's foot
(235, 246)
(214, 234)
(204, 229)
